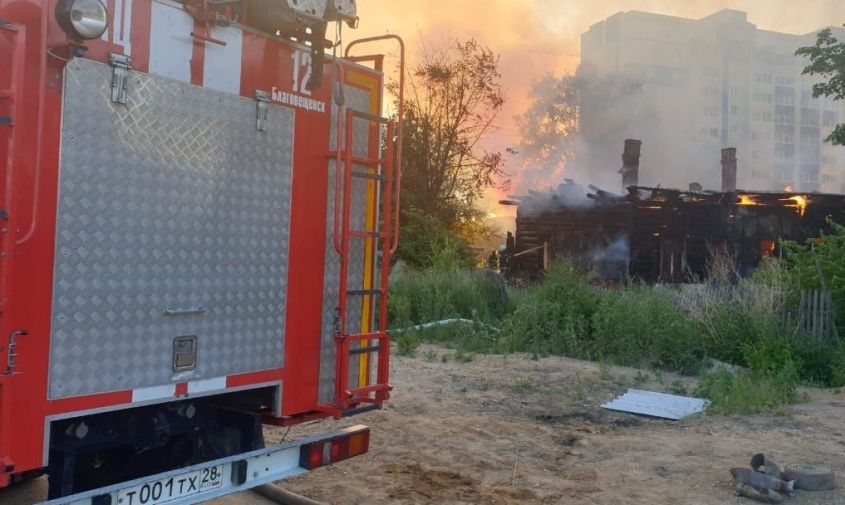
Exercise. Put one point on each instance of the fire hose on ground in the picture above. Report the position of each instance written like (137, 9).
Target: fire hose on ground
(283, 497)
(445, 322)
(765, 482)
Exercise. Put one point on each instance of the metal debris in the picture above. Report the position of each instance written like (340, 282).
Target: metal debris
(660, 405)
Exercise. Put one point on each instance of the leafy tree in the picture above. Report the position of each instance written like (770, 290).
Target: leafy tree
(552, 120)
(827, 59)
(454, 98)
(553, 127)
(425, 240)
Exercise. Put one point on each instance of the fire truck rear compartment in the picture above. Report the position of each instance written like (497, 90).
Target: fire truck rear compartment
(172, 235)
(102, 449)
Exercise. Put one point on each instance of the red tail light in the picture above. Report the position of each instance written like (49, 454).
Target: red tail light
(325, 452)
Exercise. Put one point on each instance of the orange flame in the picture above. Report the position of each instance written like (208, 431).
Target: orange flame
(799, 202)
(747, 200)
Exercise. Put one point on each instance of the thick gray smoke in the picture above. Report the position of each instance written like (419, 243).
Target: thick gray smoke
(612, 262)
(607, 110)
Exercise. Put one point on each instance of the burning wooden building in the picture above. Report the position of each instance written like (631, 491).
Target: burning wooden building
(658, 234)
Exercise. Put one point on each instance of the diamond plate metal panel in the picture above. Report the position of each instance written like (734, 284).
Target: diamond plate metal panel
(356, 99)
(173, 202)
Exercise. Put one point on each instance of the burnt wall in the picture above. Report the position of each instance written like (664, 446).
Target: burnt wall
(659, 235)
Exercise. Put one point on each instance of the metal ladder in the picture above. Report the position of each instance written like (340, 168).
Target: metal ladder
(379, 240)
(11, 53)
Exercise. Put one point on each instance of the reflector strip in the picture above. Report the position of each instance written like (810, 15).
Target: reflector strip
(204, 386)
(153, 393)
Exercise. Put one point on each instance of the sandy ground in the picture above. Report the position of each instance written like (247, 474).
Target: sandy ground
(512, 430)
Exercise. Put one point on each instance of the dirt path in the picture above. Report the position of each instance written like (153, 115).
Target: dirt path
(517, 431)
(511, 430)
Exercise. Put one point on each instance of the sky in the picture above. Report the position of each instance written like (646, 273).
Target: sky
(534, 37)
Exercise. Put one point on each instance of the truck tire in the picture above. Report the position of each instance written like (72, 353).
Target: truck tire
(809, 477)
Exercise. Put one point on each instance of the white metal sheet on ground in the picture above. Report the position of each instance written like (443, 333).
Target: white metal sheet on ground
(660, 405)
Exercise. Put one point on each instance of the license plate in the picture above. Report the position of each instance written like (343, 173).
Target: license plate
(172, 488)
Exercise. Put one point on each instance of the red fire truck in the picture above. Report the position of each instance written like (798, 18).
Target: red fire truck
(198, 209)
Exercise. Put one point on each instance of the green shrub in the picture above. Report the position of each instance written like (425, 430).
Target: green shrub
(419, 297)
(426, 243)
(555, 317)
(773, 357)
(837, 369)
(543, 327)
(747, 393)
(567, 284)
(729, 329)
(407, 342)
(825, 255)
(642, 327)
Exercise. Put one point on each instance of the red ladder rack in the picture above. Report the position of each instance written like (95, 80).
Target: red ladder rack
(385, 171)
(379, 171)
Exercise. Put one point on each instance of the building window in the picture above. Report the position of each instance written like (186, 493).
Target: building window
(810, 154)
(783, 175)
(734, 109)
(807, 99)
(830, 118)
(758, 135)
(762, 116)
(784, 95)
(785, 134)
(763, 97)
(768, 248)
(809, 173)
(784, 152)
(810, 136)
(784, 114)
(810, 117)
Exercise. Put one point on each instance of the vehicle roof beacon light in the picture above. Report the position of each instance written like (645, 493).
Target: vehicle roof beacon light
(83, 19)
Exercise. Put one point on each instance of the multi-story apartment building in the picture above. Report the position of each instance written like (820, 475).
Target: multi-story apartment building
(718, 82)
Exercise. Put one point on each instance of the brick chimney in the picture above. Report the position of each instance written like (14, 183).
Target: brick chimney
(729, 169)
(631, 164)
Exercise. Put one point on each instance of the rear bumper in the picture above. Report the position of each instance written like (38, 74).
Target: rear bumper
(239, 473)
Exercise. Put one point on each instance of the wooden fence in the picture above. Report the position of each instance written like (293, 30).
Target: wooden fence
(816, 316)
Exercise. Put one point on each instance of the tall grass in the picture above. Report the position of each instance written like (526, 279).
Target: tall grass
(642, 326)
(729, 319)
(555, 318)
(420, 297)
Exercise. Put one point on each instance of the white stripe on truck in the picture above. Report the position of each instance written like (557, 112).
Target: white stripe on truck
(207, 385)
(153, 393)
